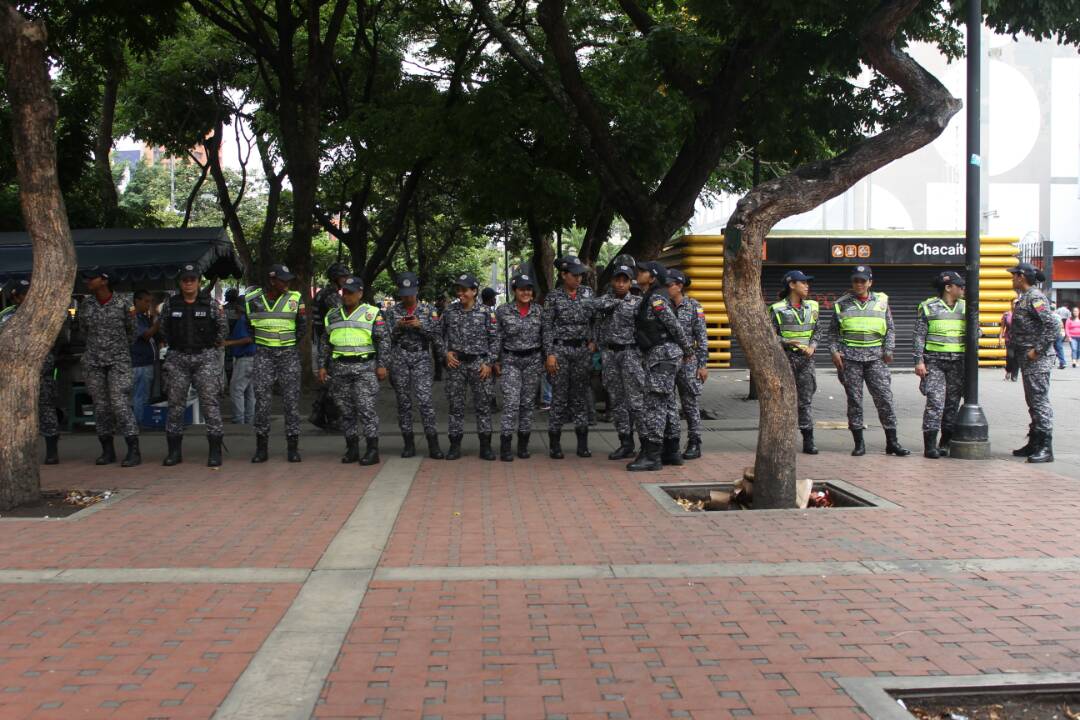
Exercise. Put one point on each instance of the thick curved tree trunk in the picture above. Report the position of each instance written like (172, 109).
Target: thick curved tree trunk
(25, 340)
(932, 107)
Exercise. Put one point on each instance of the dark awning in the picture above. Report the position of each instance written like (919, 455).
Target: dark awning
(150, 258)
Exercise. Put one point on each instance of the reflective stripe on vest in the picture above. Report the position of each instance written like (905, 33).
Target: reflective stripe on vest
(273, 326)
(946, 328)
(864, 325)
(351, 334)
(796, 325)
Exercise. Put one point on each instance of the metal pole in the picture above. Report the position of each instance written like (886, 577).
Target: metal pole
(971, 436)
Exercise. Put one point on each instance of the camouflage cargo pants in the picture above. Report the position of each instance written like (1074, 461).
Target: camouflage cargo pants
(805, 387)
(624, 380)
(203, 370)
(943, 387)
(520, 384)
(460, 380)
(355, 389)
(281, 366)
(689, 388)
(661, 417)
(48, 422)
(875, 374)
(413, 371)
(1036, 376)
(110, 387)
(570, 385)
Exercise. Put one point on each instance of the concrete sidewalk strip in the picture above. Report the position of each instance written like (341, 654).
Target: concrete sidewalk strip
(286, 675)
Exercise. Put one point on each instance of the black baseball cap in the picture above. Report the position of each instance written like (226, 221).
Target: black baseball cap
(862, 272)
(407, 284)
(488, 294)
(1024, 268)
(572, 264)
(92, 272)
(337, 270)
(522, 281)
(629, 270)
(353, 284)
(281, 272)
(949, 277)
(675, 276)
(466, 280)
(654, 268)
(795, 276)
(189, 271)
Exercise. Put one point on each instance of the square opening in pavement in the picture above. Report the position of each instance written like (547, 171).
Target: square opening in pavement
(65, 505)
(695, 499)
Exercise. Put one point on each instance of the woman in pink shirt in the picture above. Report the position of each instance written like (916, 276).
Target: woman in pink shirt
(1072, 331)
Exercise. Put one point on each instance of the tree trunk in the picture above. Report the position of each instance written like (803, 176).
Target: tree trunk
(543, 259)
(103, 142)
(774, 466)
(27, 338)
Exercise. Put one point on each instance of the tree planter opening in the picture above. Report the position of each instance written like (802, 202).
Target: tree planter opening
(65, 504)
(697, 499)
(995, 706)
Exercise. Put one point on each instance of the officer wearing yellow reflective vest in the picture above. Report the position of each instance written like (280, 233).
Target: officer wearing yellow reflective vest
(795, 318)
(278, 321)
(355, 355)
(939, 359)
(862, 339)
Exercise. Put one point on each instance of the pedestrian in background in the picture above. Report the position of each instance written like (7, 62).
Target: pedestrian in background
(1072, 330)
(1062, 314)
(469, 336)
(519, 365)
(414, 331)
(1034, 331)
(939, 344)
(241, 348)
(143, 351)
(278, 320)
(195, 328)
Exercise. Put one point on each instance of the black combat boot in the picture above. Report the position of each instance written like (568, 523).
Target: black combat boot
(262, 449)
(648, 459)
(1029, 448)
(108, 452)
(133, 457)
(352, 450)
(213, 459)
(485, 446)
(454, 453)
(625, 449)
(506, 447)
(943, 443)
(669, 453)
(808, 445)
(929, 443)
(410, 445)
(693, 447)
(51, 455)
(434, 451)
(860, 446)
(175, 456)
(555, 445)
(292, 453)
(1044, 453)
(582, 442)
(893, 446)
(371, 452)
(523, 445)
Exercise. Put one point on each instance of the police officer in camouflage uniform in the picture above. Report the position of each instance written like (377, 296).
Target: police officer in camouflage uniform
(1035, 329)
(520, 345)
(414, 329)
(862, 341)
(795, 317)
(48, 422)
(354, 356)
(661, 339)
(940, 325)
(621, 364)
(278, 320)
(470, 338)
(567, 333)
(108, 320)
(195, 328)
(693, 372)
(328, 298)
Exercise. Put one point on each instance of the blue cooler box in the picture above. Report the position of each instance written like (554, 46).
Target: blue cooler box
(154, 416)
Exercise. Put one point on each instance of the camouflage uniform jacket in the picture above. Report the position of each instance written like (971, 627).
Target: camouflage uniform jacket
(109, 330)
(692, 318)
(615, 325)
(473, 332)
(412, 339)
(1034, 325)
(517, 332)
(567, 318)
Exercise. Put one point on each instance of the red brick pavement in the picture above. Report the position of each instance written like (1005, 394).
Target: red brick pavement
(127, 651)
(715, 648)
(272, 515)
(591, 511)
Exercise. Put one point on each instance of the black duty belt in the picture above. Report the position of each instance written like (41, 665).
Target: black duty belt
(524, 353)
(354, 358)
(466, 357)
(189, 351)
(574, 342)
(413, 346)
(619, 347)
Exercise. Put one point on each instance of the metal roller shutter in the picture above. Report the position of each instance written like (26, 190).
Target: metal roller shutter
(905, 286)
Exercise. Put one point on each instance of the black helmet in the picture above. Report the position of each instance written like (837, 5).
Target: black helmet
(337, 270)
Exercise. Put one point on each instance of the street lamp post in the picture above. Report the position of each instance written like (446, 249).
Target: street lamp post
(971, 435)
